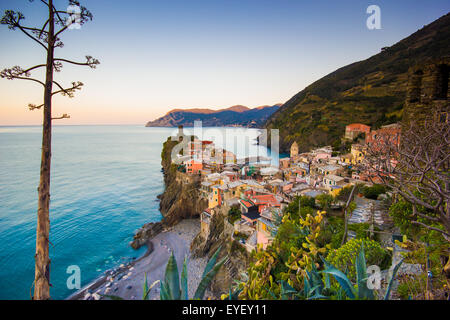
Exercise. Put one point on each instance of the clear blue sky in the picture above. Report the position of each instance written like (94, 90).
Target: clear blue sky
(160, 55)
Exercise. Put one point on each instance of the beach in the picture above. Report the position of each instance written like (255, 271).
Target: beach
(126, 281)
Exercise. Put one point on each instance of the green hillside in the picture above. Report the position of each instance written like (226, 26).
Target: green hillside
(370, 91)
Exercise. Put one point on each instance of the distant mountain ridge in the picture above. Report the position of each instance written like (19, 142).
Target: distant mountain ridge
(238, 116)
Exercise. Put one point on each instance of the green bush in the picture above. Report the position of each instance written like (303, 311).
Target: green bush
(343, 258)
(234, 215)
(374, 191)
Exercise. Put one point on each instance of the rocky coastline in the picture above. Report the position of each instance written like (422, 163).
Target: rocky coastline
(180, 205)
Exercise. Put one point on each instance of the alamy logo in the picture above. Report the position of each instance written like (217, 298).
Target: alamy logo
(74, 280)
(373, 277)
(374, 20)
(74, 19)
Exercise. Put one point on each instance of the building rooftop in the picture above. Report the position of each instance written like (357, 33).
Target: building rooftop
(333, 177)
(330, 167)
(235, 184)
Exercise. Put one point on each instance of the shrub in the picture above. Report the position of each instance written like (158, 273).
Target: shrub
(234, 215)
(343, 258)
(374, 191)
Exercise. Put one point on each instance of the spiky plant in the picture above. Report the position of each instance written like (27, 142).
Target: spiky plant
(172, 289)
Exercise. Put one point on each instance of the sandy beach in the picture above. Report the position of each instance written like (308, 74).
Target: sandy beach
(126, 281)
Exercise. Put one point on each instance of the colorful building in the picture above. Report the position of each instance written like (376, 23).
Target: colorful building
(193, 166)
(354, 129)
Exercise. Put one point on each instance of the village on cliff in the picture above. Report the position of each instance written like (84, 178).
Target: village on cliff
(255, 193)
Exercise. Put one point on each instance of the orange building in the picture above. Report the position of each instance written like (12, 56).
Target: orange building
(194, 167)
(354, 129)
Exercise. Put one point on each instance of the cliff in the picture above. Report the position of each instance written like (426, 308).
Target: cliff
(218, 234)
(233, 116)
(181, 198)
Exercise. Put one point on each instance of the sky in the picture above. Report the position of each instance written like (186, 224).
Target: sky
(159, 55)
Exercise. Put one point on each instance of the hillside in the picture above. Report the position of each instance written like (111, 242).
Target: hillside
(370, 91)
(233, 116)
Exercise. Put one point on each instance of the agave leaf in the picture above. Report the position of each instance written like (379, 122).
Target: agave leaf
(391, 281)
(172, 279)
(149, 289)
(317, 296)
(286, 290)
(311, 291)
(200, 292)
(361, 276)
(271, 293)
(164, 294)
(306, 285)
(145, 289)
(327, 281)
(211, 262)
(340, 277)
(184, 281)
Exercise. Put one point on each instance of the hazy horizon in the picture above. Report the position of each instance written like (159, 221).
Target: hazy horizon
(201, 54)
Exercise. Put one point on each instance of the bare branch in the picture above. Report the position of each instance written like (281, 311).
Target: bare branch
(64, 116)
(17, 72)
(12, 20)
(68, 91)
(33, 106)
(90, 62)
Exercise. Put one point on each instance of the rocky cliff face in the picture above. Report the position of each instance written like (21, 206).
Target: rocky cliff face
(219, 235)
(181, 198)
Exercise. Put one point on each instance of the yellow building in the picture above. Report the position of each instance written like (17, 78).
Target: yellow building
(357, 152)
(216, 196)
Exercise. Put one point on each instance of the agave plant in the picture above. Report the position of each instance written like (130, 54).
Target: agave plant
(172, 289)
(360, 290)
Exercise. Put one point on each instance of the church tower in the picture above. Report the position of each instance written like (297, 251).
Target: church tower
(294, 150)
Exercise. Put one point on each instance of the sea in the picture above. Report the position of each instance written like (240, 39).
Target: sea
(104, 186)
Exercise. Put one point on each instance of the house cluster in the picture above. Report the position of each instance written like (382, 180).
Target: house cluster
(258, 192)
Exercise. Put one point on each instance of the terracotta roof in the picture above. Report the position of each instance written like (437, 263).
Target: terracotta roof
(266, 198)
(357, 126)
(247, 204)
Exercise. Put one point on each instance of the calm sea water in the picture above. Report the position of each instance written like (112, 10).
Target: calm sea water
(105, 180)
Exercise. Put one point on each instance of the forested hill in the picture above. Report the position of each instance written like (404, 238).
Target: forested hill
(370, 91)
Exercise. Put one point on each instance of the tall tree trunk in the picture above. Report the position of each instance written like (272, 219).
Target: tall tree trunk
(42, 259)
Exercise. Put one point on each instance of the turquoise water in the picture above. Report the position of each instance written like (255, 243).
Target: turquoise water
(105, 180)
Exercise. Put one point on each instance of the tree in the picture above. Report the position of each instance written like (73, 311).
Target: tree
(416, 166)
(350, 206)
(48, 37)
(325, 201)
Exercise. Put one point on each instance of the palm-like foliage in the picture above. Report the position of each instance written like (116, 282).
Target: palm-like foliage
(172, 289)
